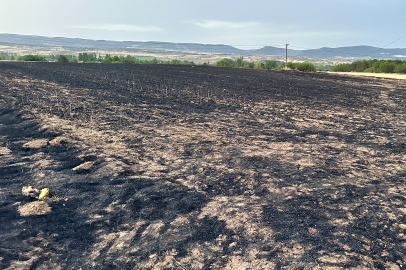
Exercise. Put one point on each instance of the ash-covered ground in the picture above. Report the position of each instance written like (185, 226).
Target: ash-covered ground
(193, 167)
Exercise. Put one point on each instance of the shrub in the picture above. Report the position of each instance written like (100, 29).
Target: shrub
(374, 65)
(384, 66)
(107, 59)
(282, 66)
(291, 65)
(321, 67)
(116, 59)
(341, 68)
(251, 64)
(387, 67)
(175, 62)
(87, 57)
(401, 68)
(270, 64)
(128, 60)
(225, 62)
(360, 66)
(258, 65)
(62, 59)
(306, 66)
(240, 62)
(31, 57)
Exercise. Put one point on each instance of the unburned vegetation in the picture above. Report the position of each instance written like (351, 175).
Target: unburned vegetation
(194, 167)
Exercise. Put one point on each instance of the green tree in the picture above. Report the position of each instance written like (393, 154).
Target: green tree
(376, 67)
(128, 60)
(305, 66)
(258, 65)
(282, 66)
(401, 68)
(107, 59)
(240, 62)
(343, 67)
(225, 62)
(175, 62)
(87, 57)
(291, 65)
(30, 57)
(387, 67)
(4, 56)
(270, 64)
(62, 59)
(360, 66)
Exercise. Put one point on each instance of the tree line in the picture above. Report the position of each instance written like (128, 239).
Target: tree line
(7, 56)
(373, 65)
(268, 64)
(93, 58)
(109, 59)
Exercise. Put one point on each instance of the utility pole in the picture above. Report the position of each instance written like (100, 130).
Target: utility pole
(286, 65)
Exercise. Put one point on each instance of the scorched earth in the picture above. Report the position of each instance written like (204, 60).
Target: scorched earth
(194, 167)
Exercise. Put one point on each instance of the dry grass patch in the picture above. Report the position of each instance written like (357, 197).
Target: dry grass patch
(36, 208)
(39, 143)
(4, 151)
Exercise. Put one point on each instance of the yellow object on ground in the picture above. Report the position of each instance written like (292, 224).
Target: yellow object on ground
(44, 194)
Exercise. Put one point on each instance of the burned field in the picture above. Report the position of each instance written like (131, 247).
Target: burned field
(181, 167)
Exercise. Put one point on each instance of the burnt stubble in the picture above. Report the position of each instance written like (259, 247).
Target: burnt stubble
(194, 167)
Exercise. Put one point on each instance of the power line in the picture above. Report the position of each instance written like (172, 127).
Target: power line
(327, 51)
(385, 46)
(361, 55)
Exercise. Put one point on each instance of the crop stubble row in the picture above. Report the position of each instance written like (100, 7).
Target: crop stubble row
(288, 169)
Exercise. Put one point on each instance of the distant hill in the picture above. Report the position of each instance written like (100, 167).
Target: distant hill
(355, 51)
(324, 53)
(269, 50)
(106, 44)
(342, 52)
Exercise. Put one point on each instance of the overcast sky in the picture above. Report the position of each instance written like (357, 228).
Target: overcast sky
(241, 23)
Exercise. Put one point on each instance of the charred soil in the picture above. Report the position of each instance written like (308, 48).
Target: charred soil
(193, 167)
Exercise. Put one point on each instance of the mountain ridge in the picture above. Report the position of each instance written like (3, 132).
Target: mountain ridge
(360, 51)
